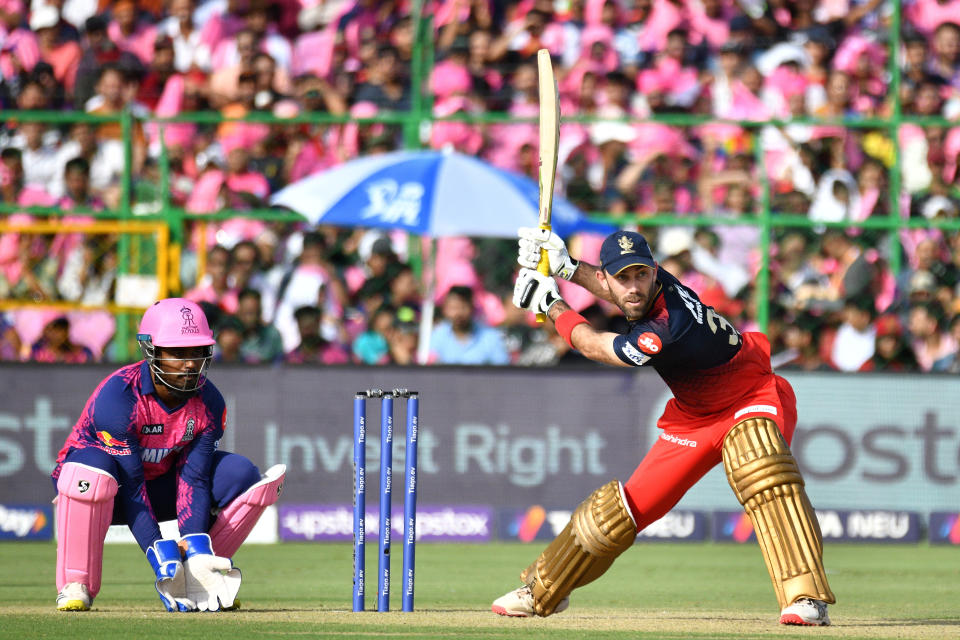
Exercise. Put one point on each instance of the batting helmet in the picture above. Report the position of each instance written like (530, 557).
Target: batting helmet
(172, 323)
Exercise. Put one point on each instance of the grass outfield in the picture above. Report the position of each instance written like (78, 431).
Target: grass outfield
(652, 591)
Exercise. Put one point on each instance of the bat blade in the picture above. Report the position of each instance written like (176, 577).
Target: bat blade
(549, 134)
(549, 143)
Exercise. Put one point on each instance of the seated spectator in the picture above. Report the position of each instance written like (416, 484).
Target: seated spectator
(385, 87)
(268, 275)
(55, 345)
(98, 50)
(856, 338)
(78, 198)
(130, 33)
(224, 83)
(76, 189)
(58, 47)
(229, 339)
(261, 342)
(38, 147)
(802, 351)
(313, 347)
(31, 273)
(460, 338)
(946, 53)
(950, 363)
(308, 283)
(104, 158)
(266, 95)
(157, 74)
(214, 286)
(189, 50)
(382, 266)
(10, 344)
(372, 346)
(848, 271)
(403, 343)
(112, 99)
(892, 352)
(404, 294)
(244, 263)
(930, 343)
(89, 273)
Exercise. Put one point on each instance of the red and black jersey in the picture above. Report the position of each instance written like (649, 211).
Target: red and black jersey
(690, 345)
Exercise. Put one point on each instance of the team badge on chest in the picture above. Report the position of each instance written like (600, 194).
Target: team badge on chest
(188, 433)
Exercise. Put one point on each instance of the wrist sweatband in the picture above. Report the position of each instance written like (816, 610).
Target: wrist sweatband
(565, 323)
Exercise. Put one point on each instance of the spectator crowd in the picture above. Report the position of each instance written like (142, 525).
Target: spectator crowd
(754, 73)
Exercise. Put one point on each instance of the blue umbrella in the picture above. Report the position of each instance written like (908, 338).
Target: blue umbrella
(430, 193)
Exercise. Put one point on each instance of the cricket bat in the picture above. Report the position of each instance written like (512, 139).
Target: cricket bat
(549, 141)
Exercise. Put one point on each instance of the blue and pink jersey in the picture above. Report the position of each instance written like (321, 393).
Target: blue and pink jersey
(125, 419)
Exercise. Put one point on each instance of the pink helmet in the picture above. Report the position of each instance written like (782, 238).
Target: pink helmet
(176, 322)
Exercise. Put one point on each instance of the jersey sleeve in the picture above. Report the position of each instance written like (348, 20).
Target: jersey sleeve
(194, 497)
(642, 344)
(114, 421)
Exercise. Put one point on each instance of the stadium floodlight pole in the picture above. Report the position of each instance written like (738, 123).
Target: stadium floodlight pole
(386, 479)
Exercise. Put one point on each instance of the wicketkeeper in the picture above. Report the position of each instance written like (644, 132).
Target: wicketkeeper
(145, 450)
(728, 405)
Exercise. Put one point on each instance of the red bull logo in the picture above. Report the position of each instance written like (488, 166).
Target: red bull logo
(108, 440)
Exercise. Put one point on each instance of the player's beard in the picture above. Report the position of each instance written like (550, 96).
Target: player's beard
(636, 304)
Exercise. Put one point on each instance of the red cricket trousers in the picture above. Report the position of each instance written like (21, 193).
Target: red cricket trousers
(691, 440)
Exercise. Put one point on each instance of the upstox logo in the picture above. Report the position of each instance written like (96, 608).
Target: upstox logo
(25, 521)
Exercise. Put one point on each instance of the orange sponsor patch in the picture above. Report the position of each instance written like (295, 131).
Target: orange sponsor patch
(649, 343)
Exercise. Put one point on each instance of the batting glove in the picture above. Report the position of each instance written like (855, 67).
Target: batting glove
(533, 239)
(212, 581)
(535, 291)
(164, 557)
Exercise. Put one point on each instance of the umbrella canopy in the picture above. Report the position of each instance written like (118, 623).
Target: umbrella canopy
(430, 193)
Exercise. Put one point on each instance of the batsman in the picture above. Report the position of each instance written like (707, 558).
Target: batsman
(728, 405)
(145, 450)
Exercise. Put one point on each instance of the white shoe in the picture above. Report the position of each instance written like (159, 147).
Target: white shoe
(519, 604)
(806, 611)
(73, 597)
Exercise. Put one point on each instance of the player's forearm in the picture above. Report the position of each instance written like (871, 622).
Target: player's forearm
(593, 344)
(586, 277)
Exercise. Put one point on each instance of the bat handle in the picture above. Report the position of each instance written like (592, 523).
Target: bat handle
(543, 266)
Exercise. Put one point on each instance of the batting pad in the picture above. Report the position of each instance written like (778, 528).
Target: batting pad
(600, 529)
(765, 477)
(84, 511)
(237, 520)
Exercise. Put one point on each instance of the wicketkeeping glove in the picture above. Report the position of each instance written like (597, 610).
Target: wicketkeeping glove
(212, 581)
(164, 557)
(535, 291)
(532, 239)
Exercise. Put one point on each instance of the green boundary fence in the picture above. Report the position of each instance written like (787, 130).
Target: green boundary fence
(417, 120)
